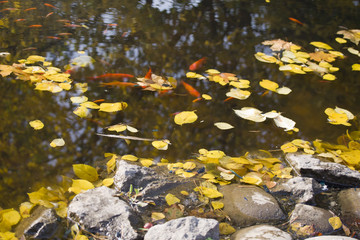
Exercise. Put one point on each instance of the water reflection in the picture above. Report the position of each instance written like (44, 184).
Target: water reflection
(128, 37)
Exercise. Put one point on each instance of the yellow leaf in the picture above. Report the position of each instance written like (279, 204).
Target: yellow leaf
(118, 127)
(108, 182)
(189, 165)
(8, 236)
(86, 172)
(223, 125)
(283, 90)
(35, 58)
(289, 148)
(36, 124)
(329, 77)
(238, 94)
(58, 142)
(335, 222)
(61, 210)
(217, 205)
(90, 105)
(131, 129)
(185, 117)
(83, 87)
(215, 154)
(129, 157)
(339, 116)
(356, 67)
(10, 217)
(25, 209)
(252, 178)
(80, 99)
(81, 111)
(161, 144)
(340, 40)
(212, 71)
(80, 237)
(111, 164)
(171, 199)
(155, 216)
(112, 107)
(351, 157)
(321, 45)
(208, 176)
(146, 162)
(206, 97)
(226, 229)
(42, 197)
(208, 192)
(270, 85)
(80, 185)
(65, 86)
(185, 193)
(188, 174)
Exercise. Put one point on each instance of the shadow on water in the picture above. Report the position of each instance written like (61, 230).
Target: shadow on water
(131, 36)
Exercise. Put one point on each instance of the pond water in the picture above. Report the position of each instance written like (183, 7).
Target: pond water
(131, 36)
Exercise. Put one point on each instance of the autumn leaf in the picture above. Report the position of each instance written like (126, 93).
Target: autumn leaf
(129, 157)
(80, 185)
(321, 45)
(352, 34)
(155, 216)
(223, 125)
(86, 172)
(238, 93)
(270, 85)
(226, 229)
(208, 192)
(146, 162)
(278, 44)
(356, 67)
(217, 205)
(339, 116)
(335, 222)
(58, 142)
(171, 199)
(250, 113)
(112, 107)
(80, 99)
(321, 55)
(185, 117)
(108, 182)
(161, 144)
(36, 124)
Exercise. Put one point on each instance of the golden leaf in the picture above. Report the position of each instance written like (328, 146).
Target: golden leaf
(161, 144)
(86, 172)
(25, 209)
(171, 199)
(321, 45)
(112, 107)
(80, 185)
(146, 162)
(129, 157)
(155, 216)
(80, 99)
(335, 222)
(81, 111)
(36, 124)
(208, 192)
(185, 117)
(108, 182)
(58, 142)
(217, 204)
(356, 67)
(270, 85)
(226, 229)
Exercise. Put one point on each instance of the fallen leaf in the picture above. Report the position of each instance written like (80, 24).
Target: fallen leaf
(321, 45)
(112, 107)
(223, 125)
(58, 142)
(270, 85)
(80, 99)
(36, 124)
(80, 185)
(146, 162)
(335, 222)
(226, 229)
(161, 144)
(86, 172)
(185, 117)
(356, 67)
(250, 113)
(217, 205)
(171, 199)
(155, 216)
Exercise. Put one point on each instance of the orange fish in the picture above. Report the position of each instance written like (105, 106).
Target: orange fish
(9, 9)
(190, 89)
(198, 64)
(4, 1)
(49, 5)
(295, 20)
(228, 99)
(49, 14)
(120, 84)
(71, 25)
(65, 34)
(35, 26)
(112, 76)
(148, 74)
(112, 24)
(20, 20)
(53, 37)
(99, 100)
(29, 9)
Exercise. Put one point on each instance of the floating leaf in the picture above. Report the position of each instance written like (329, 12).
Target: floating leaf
(131, 129)
(238, 94)
(352, 34)
(171, 199)
(112, 107)
(226, 229)
(251, 114)
(189, 165)
(289, 148)
(329, 77)
(80, 99)
(206, 97)
(81, 111)
(58, 142)
(161, 144)
(36, 124)
(270, 85)
(185, 117)
(185, 193)
(156, 216)
(283, 90)
(284, 122)
(208, 192)
(118, 127)
(90, 105)
(80, 185)
(223, 125)
(340, 40)
(86, 172)
(356, 67)
(339, 116)
(335, 222)
(217, 205)
(321, 45)
(25, 209)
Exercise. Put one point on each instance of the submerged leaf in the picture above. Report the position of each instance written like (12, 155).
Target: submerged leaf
(86, 172)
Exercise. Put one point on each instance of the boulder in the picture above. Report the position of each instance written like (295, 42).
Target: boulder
(100, 212)
(349, 201)
(261, 232)
(248, 205)
(330, 237)
(298, 189)
(335, 173)
(186, 228)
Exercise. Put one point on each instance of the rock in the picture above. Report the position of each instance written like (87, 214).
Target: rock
(100, 212)
(317, 219)
(349, 201)
(42, 224)
(298, 189)
(186, 228)
(332, 237)
(335, 173)
(248, 205)
(261, 232)
(152, 184)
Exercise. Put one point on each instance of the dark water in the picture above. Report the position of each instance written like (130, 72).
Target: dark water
(167, 36)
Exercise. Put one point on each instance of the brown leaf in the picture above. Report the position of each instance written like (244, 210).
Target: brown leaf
(278, 44)
(320, 55)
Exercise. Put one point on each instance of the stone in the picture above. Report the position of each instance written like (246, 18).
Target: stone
(330, 237)
(186, 228)
(261, 232)
(330, 172)
(248, 205)
(42, 224)
(349, 201)
(314, 217)
(99, 211)
(298, 189)
(152, 184)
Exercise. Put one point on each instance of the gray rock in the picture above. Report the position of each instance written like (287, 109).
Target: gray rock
(335, 173)
(42, 224)
(349, 201)
(100, 212)
(152, 183)
(316, 217)
(330, 237)
(298, 189)
(261, 232)
(186, 228)
(248, 205)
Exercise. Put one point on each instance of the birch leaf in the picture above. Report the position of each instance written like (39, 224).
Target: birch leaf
(250, 113)
(284, 122)
(269, 85)
(335, 222)
(161, 144)
(185, 117)
(80, 99)
(36, 124)
(283, 90)
(58, 142)
(223, 125)
(171, 199)
(86, 172)
(321, 45)
(80, 185)
(356, 67)
(217, 204)
(113, 107)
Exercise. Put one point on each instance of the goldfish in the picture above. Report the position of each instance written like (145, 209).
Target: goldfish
(148, 74)
(29, 9)
(49, 14)
(112, 76)
(20, 20)
(35, 26)
(4, 1)
(99, 100)
(228, 99)
(53, 37)
(121, 84)
(295, 20)
(190, 89)
(49, 5)
(198, 64)
(9, 9)
(65, 34)
(112, 25)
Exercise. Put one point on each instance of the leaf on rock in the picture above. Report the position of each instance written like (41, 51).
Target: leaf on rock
(335, 222)
(108, 182)
(86, 172)
(171, 199)
(185, 117)
(80, 185)
(90, 105)
(208, 192)
(146, 162)
(129, 157)
(36, 124)
(226, 229)
(189, 166)
(217, 205)
(25, 209)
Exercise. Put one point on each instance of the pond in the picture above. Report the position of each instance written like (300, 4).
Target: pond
(167, 36)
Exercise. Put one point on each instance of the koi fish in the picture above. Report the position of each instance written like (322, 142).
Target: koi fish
(198, 64)
(49, 5)
(112, 25)
(49, 14)
(228, 99)
(120, 84)
(9, 9)
(148, 74)
(53, 37)
(71, 25)
(99, 100)
(35, 26)
(190, 89)
(29, 9)
(20, 20)
(65, 34)
(295, 20)
(4, 1)
(112, 76)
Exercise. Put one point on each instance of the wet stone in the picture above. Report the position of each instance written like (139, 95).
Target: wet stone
(330, 172)
(330, 237)
(261, 232)
(186, 228)
(249, 205)
(100, 212)
(349, 201)
(298, 189)
(314, 217)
